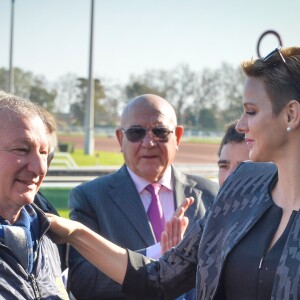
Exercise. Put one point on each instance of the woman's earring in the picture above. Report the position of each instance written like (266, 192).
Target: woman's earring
(289, 129)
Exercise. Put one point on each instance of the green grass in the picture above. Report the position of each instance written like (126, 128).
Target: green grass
(104, 158)
(64, 213)
(58, 198)
(101, 158)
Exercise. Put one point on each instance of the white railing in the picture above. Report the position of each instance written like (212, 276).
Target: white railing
(63, 159)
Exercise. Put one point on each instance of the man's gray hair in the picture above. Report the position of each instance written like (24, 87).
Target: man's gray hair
(20, 106)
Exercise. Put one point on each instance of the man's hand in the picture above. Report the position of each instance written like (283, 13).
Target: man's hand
(175, 228)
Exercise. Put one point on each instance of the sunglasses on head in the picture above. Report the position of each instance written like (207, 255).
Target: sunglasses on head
(276, 53)
(135, 133)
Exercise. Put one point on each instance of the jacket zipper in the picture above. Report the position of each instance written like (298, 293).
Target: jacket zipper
(31, 276)
(35, 287)
(261, 261)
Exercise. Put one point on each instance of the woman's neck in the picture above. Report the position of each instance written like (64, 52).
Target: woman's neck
(286, 192)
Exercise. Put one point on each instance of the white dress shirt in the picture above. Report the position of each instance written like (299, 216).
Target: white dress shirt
(166, 197)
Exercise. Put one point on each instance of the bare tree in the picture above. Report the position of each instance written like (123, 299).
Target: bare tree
(179, 85)
(66, 87)
(232, 81)
(113, 101)
(206, 91)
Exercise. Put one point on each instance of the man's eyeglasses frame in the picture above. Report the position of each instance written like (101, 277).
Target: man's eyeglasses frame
(159, 134)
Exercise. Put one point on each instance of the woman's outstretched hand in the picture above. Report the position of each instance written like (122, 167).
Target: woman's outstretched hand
(106, 256)
(176, 227)
(61, 229)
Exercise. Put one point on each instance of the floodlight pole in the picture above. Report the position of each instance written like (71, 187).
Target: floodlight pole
(11, 68)
(89, 111)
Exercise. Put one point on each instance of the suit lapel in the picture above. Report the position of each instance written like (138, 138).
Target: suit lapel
(183, 188)
(124, 194)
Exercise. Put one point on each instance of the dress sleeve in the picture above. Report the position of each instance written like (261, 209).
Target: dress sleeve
(167, 278)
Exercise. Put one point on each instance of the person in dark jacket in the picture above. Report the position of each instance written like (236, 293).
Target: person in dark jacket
(29, 260)
(40, 200)
(247, 246)
(233, 151)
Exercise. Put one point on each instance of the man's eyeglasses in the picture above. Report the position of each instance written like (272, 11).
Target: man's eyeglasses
(276, 52)
(135, 133)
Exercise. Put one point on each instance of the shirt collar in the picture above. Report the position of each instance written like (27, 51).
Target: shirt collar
(140, 183)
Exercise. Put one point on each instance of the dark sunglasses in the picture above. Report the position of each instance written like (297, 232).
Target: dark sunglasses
(135, 133)
(276, 52)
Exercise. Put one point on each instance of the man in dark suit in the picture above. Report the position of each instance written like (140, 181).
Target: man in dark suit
(116, 205)
(40, 200)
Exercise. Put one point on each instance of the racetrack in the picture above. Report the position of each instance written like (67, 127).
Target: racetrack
(189, 152)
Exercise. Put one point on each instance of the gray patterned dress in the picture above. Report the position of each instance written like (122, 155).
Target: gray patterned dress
(202, 254)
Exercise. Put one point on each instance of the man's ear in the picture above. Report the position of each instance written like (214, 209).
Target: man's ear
(293, 114)
(50, 158)
(119, 135)
(179, 132)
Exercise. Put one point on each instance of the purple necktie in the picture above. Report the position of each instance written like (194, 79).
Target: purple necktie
(155, 212)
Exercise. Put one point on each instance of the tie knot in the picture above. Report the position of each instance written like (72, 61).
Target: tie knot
(153, 188)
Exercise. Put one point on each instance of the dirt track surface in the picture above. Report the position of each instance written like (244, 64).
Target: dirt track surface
(189, 153)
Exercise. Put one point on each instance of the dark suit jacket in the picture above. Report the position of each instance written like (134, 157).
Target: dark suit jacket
(111, 206)
(46, 206)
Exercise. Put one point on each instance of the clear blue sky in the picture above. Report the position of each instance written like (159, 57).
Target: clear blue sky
(52, 36)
